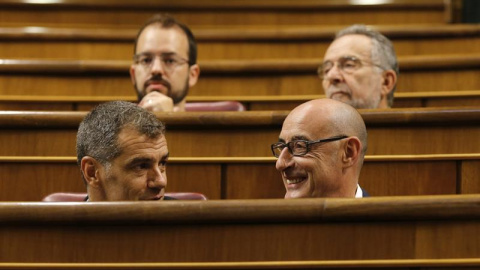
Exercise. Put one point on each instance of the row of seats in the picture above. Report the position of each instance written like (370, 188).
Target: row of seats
(289, 42)
(249, 134)
(209, 153)
(266, 46)
(424, 232)
(280, 76)
(236, 103)
(226, 155)
(226, 78)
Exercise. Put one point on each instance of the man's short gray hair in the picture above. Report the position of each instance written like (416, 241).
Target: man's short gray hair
(98, 133)
(382, 49)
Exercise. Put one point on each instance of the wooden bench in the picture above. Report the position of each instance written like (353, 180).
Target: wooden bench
(253, 103)
(213, 13)
(250, 134)
(32, 178)
(226, 77)
(415, 230)
(290, 42)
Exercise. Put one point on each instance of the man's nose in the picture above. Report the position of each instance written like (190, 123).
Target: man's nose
(334, 74)
(285, 160)
(157, 66)
(157, 178)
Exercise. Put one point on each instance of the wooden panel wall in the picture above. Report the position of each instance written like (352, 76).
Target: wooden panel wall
(31, 179)
(292, 42)
(231, 13)
(413, 132)
(185, 142)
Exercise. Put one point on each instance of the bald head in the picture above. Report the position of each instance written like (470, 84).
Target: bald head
(321, 150)
(331, 117)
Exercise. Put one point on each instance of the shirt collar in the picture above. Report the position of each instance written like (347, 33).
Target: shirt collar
(359, 192)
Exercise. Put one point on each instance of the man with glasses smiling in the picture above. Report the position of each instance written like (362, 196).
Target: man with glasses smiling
(164, 64)
(360, 68)
(321, 149)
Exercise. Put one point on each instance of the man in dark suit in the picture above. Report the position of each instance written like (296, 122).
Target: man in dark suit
(321, 149)
(122, 153)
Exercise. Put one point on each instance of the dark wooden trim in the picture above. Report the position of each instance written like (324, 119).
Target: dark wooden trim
(288, 33)
(346, 264)
(225, 5)
(272, 99)
(387, 117)
(247, 160)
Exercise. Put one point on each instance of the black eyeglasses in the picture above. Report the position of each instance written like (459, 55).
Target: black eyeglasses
(347, 64)
(300, 147)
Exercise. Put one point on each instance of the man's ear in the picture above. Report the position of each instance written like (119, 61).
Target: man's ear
(193, 74)
(132, 74)
(389, 81)
(352, 152)
(92, 171)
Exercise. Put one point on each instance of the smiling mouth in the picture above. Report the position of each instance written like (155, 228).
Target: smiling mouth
(295, 181)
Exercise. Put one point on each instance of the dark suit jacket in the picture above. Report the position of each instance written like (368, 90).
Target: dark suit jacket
(365, 193)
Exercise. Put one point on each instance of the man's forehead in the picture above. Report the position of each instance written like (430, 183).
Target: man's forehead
(129, 135)
(349, 45)
(299, 127)
(143, 146)
(156, 39)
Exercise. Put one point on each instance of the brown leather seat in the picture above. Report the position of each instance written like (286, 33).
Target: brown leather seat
(80, 197)
(214, 106)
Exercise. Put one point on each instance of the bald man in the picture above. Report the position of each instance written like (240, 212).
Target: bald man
(321, 149)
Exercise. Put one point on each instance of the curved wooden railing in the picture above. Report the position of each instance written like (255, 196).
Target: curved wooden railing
(252, 103)
(287, 33)
(245, 211)
(387, 117)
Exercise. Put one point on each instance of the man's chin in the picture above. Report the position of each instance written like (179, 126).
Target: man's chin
(295, 195)
(162, 91)
(340, 96)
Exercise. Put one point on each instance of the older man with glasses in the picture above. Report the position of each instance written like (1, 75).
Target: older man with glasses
(164, 64)
(360, 68)
(321, 149)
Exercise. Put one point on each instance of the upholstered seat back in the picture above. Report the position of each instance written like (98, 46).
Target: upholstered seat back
(80, 197)
(214, 106)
